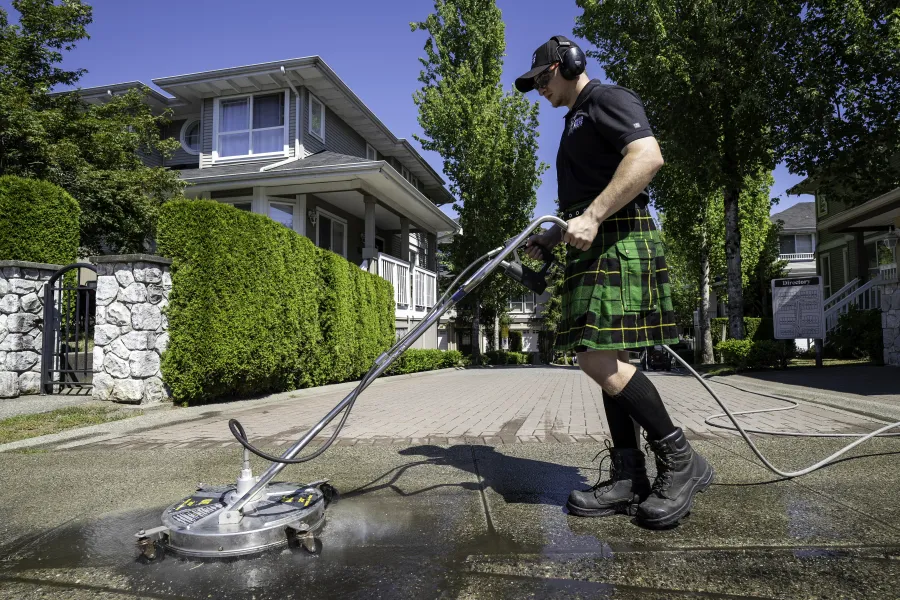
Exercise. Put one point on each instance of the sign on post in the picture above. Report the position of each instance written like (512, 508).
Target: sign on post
(797, 308)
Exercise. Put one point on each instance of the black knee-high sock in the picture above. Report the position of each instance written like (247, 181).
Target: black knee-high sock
(641, 400)
(621, 426)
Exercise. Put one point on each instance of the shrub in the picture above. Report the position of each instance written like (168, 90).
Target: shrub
(414, 361)
(756, 354)
(257, 308)
(502, 357)
(38, 222)
(858, 334)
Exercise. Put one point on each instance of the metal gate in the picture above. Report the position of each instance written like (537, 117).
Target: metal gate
(70, 309)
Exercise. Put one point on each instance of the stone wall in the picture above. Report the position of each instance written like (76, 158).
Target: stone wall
(131, 332)
(890, 322)
(21, 325)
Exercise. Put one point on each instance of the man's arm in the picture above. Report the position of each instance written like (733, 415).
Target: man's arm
(642, 159)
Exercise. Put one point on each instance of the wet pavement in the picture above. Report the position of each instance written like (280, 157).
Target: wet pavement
(463, 521)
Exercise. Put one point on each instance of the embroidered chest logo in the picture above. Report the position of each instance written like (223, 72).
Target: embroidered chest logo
(576, 122)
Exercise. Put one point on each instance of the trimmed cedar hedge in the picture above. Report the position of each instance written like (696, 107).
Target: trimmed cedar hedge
(38, 222)
(257, 308)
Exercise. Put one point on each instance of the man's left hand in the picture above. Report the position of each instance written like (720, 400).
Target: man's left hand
(581, 231)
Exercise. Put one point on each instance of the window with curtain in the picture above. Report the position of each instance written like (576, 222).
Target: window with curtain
(251, 125)
(804, 243)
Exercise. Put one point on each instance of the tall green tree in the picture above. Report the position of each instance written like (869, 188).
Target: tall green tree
(92, 151)
(707, 71)
(841, 120)
(486, 138)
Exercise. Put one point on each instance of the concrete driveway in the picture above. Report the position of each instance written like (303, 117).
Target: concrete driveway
(444, 515)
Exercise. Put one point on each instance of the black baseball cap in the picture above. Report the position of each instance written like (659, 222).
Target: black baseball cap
(543, 57)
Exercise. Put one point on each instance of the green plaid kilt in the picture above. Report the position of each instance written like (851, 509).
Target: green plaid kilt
(616, 294)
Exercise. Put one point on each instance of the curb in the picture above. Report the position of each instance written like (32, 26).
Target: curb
(159, 416)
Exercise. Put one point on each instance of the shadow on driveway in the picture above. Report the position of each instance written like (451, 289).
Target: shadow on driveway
(517, 480)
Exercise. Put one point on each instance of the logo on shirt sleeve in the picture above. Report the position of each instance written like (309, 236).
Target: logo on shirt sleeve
(637, 125)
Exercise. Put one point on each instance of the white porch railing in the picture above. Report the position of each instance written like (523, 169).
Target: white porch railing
(841, 294)
(797, 256)
(396, 272)
(415, 289)
(865, 297)
(888, 272)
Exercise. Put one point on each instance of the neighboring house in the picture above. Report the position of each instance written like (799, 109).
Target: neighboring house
(848, 251)
(290, 140)
(797, 242)
(857, 258)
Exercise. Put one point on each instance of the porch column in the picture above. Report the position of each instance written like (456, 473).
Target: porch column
(404, 239)
(300, 223)
(260, 201)
(862, 261)
(369, 251)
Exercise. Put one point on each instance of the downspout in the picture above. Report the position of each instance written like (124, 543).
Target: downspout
(297, 134)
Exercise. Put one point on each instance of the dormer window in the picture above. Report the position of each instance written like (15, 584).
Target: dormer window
(316, 118)
(371, 153)
(251, 125)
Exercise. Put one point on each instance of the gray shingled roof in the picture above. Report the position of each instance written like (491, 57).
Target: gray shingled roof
(800, 216)
(320, 159)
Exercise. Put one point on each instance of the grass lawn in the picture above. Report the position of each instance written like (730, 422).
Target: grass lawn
(28, 426)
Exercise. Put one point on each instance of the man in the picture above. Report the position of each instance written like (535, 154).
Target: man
(616, 292)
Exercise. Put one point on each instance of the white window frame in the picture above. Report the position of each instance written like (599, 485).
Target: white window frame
(286, 127)
(319, 213)
(285, 202)
(316, 134)
(821, 205)
(373, 152)
(184, 128)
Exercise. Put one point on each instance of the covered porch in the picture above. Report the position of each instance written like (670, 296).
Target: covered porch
(363, 211)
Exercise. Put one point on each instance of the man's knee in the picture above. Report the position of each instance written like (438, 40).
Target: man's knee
(609, 368)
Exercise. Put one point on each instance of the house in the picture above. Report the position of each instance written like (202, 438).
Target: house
(846, 255)
(797, 241)
(290, 140)
(857, 258)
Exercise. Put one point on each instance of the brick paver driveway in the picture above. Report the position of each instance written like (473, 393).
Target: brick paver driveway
(490, 406)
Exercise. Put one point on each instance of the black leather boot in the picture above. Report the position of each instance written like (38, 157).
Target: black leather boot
(680, 473)
(626, 487)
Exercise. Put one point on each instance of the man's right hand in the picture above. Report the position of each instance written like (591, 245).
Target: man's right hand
(549, 239)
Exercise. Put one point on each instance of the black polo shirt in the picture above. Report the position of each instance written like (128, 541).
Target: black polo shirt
(604, 119)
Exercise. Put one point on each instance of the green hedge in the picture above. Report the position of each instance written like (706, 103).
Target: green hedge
(756, 354)
(502, 357)
(755, 328)
(414, 361)
(38, 222)
(257, 308)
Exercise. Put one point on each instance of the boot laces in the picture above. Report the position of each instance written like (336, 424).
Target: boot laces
(613, 469)
(665, 468)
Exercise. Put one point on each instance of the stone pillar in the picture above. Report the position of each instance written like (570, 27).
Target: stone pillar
(131, 332)
(890, 322)
(21, 325)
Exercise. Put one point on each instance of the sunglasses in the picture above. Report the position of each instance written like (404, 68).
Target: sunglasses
(543, 78)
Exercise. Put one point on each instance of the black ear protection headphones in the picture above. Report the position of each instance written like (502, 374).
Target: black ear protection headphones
(571, 60)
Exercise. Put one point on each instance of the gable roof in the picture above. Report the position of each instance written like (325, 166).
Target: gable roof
(314, 74)
(800, 216)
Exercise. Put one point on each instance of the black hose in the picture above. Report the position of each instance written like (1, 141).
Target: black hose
(237, 430)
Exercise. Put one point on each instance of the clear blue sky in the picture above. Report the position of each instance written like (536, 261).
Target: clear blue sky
(368, 44)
